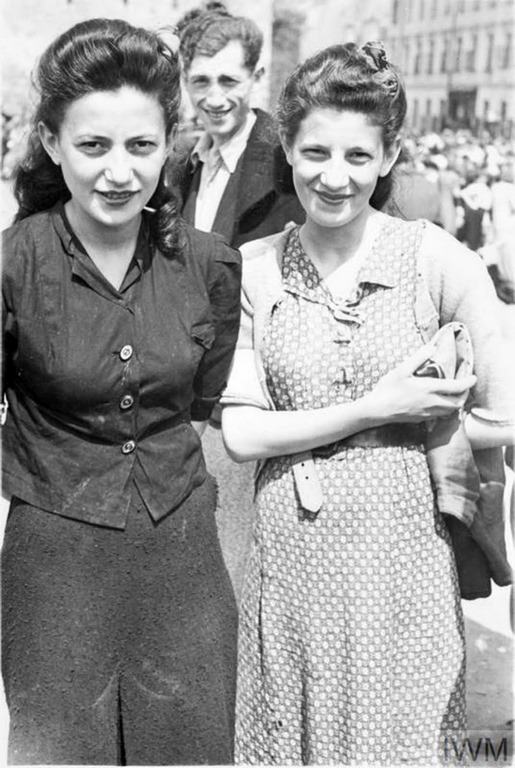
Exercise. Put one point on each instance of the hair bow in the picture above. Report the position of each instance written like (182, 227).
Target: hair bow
(376, 51)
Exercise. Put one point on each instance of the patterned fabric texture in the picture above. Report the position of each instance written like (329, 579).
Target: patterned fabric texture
(351, 631)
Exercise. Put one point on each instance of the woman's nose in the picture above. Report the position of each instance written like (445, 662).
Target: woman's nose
(335, 175)
(119, 169)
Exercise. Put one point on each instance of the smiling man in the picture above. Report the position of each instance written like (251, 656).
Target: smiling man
(236, 181)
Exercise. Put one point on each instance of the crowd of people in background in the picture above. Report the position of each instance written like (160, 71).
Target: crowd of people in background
(464, 183)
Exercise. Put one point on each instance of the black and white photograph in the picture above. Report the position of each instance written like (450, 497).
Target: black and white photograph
(258, 382)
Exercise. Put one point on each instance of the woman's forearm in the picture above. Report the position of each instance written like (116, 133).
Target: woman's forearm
(251, 433)
(488, 434)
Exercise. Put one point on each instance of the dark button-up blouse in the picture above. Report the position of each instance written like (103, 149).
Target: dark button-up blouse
(102, 384)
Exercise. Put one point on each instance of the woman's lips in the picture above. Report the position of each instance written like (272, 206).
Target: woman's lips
(117, 197)
(332, 199)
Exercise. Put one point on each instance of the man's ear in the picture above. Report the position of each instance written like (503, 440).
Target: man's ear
(50, 142)
(390, 157)
(286, 147)
(258, 74)
(171, 140)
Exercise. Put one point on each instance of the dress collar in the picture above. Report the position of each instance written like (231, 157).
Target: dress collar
(301, 276)
(83, 266)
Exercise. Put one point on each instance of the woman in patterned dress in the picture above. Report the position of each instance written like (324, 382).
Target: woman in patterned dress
(351, 631)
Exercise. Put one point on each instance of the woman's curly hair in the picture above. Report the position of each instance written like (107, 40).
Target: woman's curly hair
(99, 55)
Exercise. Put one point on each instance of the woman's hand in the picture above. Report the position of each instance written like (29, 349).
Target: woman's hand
(400, 396)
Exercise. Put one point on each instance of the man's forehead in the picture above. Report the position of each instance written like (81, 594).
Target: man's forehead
(230, 58)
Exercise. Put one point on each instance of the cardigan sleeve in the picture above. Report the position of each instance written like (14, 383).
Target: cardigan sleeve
(461, 290)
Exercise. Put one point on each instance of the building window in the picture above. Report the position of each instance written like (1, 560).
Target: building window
(506, 52)
(422, 8)
(415, 112)
(504, 111)
(428, 107)
(418, 57)
(471, 55)
(434, 8)
(395, 11)
(430, 57)
(486, 108)
(457, 60)
(443, 60)
(489, 52)
(407, 52)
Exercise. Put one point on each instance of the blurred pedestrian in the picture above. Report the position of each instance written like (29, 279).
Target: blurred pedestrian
(351, 630)
(118, 616)
(503, 232)
(414, 195)
(476, 199)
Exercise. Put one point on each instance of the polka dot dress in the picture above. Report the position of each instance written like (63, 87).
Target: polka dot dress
(351, 632)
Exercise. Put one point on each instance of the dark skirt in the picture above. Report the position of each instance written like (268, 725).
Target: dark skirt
(119, 646)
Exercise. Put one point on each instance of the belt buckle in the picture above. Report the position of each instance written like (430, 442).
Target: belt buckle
(307, 482)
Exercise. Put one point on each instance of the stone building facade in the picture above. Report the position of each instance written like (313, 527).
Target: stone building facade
(302, 27)
(457, 57)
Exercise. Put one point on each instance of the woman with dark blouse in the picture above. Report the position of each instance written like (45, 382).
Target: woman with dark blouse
(119, 325)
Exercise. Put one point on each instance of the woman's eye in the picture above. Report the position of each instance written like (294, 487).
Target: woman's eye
(91, 147)
(314, 152)
(143, 147)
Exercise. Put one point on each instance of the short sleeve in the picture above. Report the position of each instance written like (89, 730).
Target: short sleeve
(244, 387)
(223, 284)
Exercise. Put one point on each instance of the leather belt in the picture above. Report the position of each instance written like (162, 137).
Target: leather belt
(304, 470)
(377, 437)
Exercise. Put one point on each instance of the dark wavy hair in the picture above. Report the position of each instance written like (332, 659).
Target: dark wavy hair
(99, 55)
(205, 31)
(346, 77)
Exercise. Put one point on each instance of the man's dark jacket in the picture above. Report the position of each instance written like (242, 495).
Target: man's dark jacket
(259, 198)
